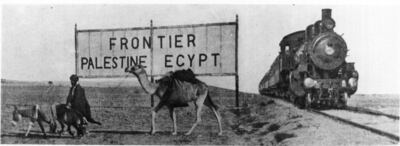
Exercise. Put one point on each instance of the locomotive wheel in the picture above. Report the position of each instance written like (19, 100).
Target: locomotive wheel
(307, 101)
(300, 101)
(295, 85)
(343, 100)
(292, 98)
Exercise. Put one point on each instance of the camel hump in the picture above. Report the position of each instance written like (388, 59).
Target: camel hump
(185, 75)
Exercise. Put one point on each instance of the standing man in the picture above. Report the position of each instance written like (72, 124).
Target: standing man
(77, 100)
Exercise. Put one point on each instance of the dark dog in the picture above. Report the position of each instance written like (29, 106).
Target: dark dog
(34, 114)
(69, 117)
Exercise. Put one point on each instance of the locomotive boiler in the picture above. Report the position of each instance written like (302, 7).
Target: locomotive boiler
(311, 68)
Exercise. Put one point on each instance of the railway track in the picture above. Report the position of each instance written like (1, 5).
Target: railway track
(356, 110)
(358, 124)
(371, 112)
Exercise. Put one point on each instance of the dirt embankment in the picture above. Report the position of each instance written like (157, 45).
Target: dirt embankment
(267, 121)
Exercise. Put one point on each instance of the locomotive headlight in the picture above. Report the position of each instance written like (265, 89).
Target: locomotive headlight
(353, 82)
(329, 50)
(309, 83)
(343, 83)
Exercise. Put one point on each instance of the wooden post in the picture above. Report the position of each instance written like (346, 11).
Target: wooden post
(151, 60)
(76, 48)
(236, 61)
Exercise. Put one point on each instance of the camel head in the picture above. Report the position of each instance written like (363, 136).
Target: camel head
(136, 69)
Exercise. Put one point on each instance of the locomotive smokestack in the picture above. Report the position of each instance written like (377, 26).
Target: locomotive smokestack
(326, 13)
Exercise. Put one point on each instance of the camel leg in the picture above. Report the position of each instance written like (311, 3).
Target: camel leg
(218, 116)
(173, 117)
(198, 105)
(29, 128)
(69, 130)
(153, 117)
(62, 128)
(41, 127)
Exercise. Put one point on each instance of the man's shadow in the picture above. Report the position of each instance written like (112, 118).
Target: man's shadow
(130, 132)
(35, 135)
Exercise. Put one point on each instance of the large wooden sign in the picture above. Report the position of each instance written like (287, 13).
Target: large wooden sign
(208, 49)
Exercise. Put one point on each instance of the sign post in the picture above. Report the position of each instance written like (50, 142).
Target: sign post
(209, 49)
(76, 48)
(151, 60)
(236, 61)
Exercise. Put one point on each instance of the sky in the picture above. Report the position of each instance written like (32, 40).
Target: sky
(38, 40)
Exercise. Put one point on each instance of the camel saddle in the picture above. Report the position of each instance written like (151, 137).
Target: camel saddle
(180, 87)
(185, 75)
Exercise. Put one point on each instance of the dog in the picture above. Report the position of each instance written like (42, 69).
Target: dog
(69, 117)
(34, 114)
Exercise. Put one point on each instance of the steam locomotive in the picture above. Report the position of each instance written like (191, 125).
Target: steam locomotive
(311, 70)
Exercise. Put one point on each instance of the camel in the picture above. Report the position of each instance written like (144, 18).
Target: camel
(173, 92)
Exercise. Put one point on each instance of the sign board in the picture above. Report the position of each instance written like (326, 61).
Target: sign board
(106, 53)
(208, 49)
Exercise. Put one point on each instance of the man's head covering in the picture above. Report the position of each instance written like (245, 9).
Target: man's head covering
(74, 77)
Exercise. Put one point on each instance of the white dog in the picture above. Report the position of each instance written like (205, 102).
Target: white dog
(33, 114)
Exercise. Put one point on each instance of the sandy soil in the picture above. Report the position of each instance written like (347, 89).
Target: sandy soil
(381, 102)
(125, 114)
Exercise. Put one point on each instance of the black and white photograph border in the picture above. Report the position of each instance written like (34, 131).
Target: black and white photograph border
(200, 73)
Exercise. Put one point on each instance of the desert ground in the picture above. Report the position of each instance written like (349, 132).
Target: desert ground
(125, 114)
